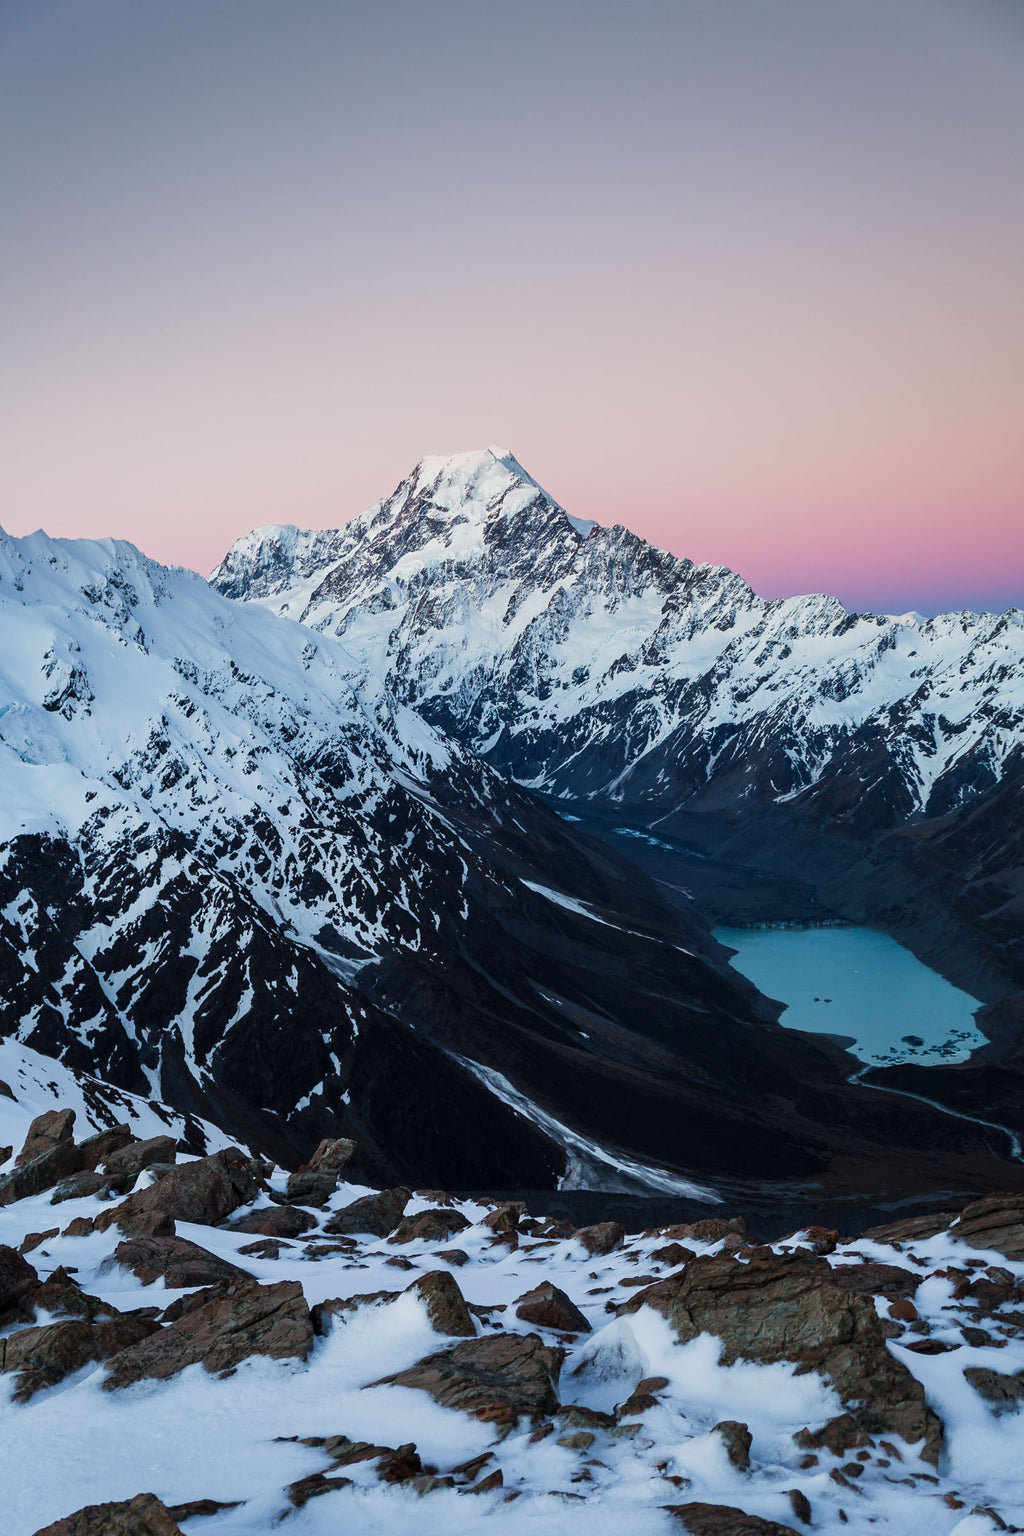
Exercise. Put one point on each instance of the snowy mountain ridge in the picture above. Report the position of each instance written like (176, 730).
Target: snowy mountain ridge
(587, 662)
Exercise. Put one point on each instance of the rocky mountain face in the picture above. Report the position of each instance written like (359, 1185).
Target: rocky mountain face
(592, 666)
(238, 876)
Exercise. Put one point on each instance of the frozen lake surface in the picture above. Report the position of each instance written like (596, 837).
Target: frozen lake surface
(861, 985)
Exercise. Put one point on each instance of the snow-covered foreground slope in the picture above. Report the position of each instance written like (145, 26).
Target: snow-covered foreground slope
(588, 662)
(605, 1414)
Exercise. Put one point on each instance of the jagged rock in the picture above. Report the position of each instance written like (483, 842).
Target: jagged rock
(144, 1515)
(129, 1161)
(871, 1279)
(43, 1356)
(820, 1240)
(800, 1504)
(47, 1131)
(724, 1520)
(400, 1465)
(245, 1320)
(710, 1229)
(58, 1162)
(454, 1256)
(910, 1228)
(324, 1312)
(377, 1214)
(6, 1153)
(1003, 1392)
(285, 1221)
(86, 1183)
(199, 1507)
(178, 1261)
(503, 1222)
(445, 1303)
(995, 1222)
(183, 1305)
(205, 1191)
(601, 1238)
(17, 1280)
(737, 1440)
(496, 1378)
(548, 1307)
(788, 1307)
(315, 1182)
(432, 1226)
(673, 1253)
(61, 1295)
(313, 1486)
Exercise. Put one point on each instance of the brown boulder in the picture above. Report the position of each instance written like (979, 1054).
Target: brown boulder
(996, 1222)
(61, 1295)
(245, 1320)
(315, 1182)
(548, 1307)
(710, 1229)
(724, 1520)
(43, 1356)
(377, 1214)
(1003, 1392)
(128, 1161)
(47, 1131)
(788, 1307)
(871, 1279)
(285, 1221)
(495, 1378)
(911, 1228)
(204, 1191)
(58, 1162)
(144, 1515)
(601, 1238)
(737, 1439)
(17, 1280)
(178, 1261)
(445, 1303)
(432, 1226)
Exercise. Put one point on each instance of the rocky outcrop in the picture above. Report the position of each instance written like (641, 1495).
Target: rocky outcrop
(17, 1280)
(129, 1161)
(46, 1132)
(789, 1307)
(496, 1379)
(377, 1214)
(724, 1520)
(205, 1191)
(602, 1238)
(144, 1515)
(548, 1307)
(996, 1222)
(436, 1225)
(315, 1182)
(445, 1304)
(174, 1259)
(281, 1221)
(43, 1356)
(242, 1321)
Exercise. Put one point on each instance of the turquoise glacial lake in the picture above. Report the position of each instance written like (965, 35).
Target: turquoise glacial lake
(860, 985)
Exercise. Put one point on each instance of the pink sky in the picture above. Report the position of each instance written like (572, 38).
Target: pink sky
(745, 278)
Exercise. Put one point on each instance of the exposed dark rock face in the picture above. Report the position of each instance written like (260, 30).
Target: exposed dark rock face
(495, 1379)
(129, 1161)
(789, 1307)
(244, 1320)
(17, 1281)
(548, 1307)
(432, 1226)
(724, 1520)
(144, 1515)
(316, 1181)
(377, 1214)
(204, 1191)
(275, 1221)
(44, 1356)
(47, 1131)
(445, 1303)
(174, 1259)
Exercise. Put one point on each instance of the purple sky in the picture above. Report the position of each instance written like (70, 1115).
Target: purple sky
(746, 275)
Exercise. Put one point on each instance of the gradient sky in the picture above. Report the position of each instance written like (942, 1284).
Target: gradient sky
(746, 275)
